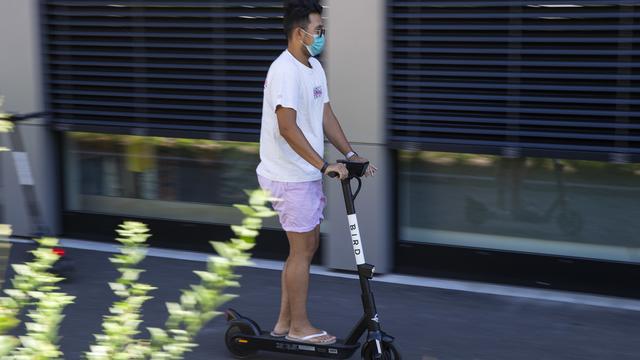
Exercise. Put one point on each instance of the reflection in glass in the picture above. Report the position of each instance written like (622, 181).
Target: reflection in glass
(170, 178)
(564, 207)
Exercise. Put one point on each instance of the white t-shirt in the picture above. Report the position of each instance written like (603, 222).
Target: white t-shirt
(292, 84)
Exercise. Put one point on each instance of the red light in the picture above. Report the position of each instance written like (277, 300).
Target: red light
(58, 251)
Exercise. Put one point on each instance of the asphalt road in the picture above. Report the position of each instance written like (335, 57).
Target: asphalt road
(427, 323)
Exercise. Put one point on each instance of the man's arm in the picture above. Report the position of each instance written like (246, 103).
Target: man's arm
(333, 130)
(290, 131)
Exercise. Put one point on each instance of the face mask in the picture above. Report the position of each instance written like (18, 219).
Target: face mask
(318, 44)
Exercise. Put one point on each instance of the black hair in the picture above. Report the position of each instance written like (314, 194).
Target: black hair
(296, 13)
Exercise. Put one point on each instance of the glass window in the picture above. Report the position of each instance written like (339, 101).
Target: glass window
(167, 178)
(573, 208)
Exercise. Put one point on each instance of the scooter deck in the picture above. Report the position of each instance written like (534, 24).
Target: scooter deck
(266, 342)
(253, 339)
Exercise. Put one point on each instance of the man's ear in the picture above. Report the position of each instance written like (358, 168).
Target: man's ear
(302, 34)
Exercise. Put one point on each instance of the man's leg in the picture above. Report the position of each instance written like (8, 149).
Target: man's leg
(302, 247)
(284, 320)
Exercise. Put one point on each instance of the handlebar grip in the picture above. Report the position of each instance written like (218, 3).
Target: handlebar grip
(332, 174)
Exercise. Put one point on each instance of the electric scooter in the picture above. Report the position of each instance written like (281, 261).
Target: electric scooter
(64, 266)
(244, 337)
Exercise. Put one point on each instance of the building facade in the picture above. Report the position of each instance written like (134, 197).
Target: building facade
(504, 131)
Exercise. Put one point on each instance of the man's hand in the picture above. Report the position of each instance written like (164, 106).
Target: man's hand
(371, 169)
(341, 169)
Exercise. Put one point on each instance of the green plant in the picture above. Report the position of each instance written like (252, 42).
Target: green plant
(120, 327)
(33, 286)
(197, 305)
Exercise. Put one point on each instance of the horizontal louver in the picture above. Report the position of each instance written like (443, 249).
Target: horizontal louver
(557, 79)
(190, 68)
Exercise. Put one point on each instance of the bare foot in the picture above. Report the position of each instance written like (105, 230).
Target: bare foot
(280, 329)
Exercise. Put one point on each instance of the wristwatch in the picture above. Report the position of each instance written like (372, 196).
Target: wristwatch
(324, 167)
(351, 154)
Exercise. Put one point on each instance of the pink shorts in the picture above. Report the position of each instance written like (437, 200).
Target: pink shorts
(301, 203)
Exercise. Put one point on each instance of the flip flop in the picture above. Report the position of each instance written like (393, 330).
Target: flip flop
(276, 335)
(307, 339)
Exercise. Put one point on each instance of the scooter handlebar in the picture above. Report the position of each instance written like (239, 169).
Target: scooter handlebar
(356, 169)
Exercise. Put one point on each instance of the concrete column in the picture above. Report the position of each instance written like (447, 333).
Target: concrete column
(21, 84)
(356, 68)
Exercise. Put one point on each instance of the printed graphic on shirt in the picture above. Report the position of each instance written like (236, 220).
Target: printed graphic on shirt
(317, 92)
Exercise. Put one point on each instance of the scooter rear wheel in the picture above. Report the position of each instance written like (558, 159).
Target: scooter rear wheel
(389, 352)
(239, 351)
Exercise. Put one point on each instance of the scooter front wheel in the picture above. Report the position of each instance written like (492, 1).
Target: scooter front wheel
(389, 351)
(234, 344)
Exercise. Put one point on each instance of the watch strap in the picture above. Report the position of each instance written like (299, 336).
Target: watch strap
(351, 154)
(324, 167)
